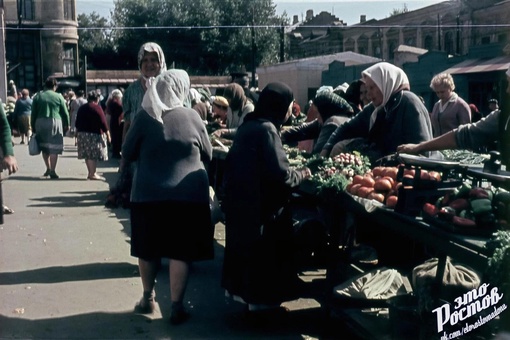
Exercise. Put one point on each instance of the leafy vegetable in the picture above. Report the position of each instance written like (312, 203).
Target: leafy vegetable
(499, 262)
(464, 156)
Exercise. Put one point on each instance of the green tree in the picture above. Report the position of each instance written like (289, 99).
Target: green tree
(95, 40)
(209, 37)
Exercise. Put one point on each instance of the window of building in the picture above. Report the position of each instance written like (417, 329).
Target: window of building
(69, 58)
(502, 38)
(69, 10)
(428, 43)
(486, 40)
(27, 9)
(449, 45)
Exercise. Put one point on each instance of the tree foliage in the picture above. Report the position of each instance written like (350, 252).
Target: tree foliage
(96, 41)
(204, 37)
(397, 11)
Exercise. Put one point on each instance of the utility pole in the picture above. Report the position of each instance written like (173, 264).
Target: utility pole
(253, 48)
(3, 63)
(282, 43)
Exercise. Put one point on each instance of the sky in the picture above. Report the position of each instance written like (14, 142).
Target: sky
(347, 10)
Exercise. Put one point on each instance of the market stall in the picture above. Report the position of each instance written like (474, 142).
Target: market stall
(442, 209)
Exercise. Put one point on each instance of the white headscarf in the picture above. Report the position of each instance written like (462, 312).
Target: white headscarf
(151, 47)
(168, 91)
(389, 79)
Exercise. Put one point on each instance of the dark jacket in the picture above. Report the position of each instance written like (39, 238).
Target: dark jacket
(258, 183)
(404, 119)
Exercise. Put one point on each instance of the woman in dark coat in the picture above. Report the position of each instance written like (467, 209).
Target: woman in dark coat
(258, 265)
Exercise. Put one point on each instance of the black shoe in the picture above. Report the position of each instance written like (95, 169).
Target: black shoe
(53, 175)
(179, 316)
(22, 142)
(145, 306)
(47, 173)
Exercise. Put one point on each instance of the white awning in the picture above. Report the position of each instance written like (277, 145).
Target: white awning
(480, 65)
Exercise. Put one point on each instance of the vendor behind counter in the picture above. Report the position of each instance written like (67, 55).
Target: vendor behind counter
(396, 116)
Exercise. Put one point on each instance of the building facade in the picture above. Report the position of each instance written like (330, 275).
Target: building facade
(41, 40)
(440, 38)
(451, 26)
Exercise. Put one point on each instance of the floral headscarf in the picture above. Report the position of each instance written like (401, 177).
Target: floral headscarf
(389, 79)
(168, 91)
(151, 47)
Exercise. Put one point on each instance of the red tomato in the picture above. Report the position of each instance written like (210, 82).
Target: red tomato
(377, 171)
(357, 179)
(391, 201)
(434, 175)
(376, 196)
(430, 209)
(391, 172)
(368, 181)
(364, 191)
(382, 184)
(424, 175)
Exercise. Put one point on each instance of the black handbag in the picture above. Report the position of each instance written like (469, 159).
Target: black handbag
(33, 146)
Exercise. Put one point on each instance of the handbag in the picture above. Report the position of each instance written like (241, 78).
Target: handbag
(33, 146)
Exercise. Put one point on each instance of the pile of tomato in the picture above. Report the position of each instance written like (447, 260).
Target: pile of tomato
(382, 183)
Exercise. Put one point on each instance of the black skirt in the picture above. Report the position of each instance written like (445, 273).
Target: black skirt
(172, 229)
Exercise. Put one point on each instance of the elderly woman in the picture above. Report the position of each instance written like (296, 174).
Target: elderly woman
(258, 266)
(239, 107)
(395, 116)
(151, 62)
(332, 112)
(171, 148)
(451, 110)
(92, 134)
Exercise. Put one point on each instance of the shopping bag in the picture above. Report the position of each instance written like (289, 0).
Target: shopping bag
(33, 146)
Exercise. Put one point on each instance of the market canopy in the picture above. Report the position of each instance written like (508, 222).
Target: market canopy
(480, 65)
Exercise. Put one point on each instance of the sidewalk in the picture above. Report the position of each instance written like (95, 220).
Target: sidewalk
(66, 272)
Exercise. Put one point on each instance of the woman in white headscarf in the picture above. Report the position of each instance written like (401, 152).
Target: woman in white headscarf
(151, 62)
(395, 116)
(171, 149)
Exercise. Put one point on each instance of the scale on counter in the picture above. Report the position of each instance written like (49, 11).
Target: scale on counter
(416, 191)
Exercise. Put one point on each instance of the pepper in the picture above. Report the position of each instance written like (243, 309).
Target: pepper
(481, 206)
